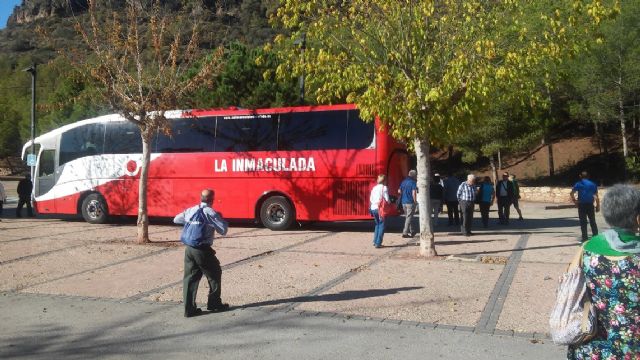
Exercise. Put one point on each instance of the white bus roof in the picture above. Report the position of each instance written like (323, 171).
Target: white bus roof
(99, 119)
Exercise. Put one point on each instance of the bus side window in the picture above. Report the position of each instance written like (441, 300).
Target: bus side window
(317, 130)
(359, 133)
(47, 163)
(122, 137)
(86, 140)
(246, 134)
(188, 135)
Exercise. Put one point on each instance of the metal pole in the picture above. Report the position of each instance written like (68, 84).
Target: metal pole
(303, 45)
(33, 72)
(33, 107)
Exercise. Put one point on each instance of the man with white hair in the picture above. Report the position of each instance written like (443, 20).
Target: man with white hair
(466, 197)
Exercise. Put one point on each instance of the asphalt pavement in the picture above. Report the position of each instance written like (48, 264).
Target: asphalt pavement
(74, 290)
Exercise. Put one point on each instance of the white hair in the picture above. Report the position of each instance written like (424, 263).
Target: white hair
(471, 177)
(621, 206)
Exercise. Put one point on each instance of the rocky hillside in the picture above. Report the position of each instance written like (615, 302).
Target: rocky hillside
(32, 10)
(223, 20)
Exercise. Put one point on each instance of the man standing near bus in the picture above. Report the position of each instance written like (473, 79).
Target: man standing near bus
(408, 194)
(25, 187)
(200, 224)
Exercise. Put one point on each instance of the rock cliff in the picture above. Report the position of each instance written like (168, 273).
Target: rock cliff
(31, 10)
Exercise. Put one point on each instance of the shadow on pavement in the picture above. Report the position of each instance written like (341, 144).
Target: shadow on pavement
(341, 296)
(518, 250)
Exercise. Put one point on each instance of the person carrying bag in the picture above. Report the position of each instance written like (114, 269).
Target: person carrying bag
(597, 311)
(379, 207)
(573, 318)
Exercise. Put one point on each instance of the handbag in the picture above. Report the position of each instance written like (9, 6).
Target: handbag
(385, 208)
(573, 318)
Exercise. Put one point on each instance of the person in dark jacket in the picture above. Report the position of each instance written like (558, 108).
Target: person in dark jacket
(504, 194)
(25, 187)
(436, 193)
(451, 185)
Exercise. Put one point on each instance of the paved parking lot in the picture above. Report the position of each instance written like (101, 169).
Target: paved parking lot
(500, 281)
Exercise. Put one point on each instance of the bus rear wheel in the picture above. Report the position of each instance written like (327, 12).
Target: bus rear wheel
(94, 209)
(276, 213)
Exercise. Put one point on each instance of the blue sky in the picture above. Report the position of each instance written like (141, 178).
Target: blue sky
(6, 8)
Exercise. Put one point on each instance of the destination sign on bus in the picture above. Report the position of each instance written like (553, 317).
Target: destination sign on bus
(266, 164)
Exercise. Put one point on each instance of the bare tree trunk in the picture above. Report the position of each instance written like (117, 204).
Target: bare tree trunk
(623, 131)
(427, 239)
(494, 170)
(545, 141)
(499, 162)
(637, 122)
(143, 218)
(596, 129)
(551, 166)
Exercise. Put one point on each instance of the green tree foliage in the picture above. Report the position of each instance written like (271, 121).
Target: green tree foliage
(10, 140)
(430, 69)
(607, 77)
(247, 80)
(65, 95)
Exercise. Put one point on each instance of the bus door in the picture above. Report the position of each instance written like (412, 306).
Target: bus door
(46, 175)
(397, 169)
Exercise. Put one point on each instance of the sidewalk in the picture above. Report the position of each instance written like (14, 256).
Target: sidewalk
(322, 291)
(48, 327)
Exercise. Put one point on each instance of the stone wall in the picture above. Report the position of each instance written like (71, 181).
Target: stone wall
(547, 194)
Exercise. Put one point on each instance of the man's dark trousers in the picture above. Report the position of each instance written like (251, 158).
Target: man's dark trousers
(504, 203)
(452, 211)
(21, 202)
(585, 211)
(198, 261)
(467, 216)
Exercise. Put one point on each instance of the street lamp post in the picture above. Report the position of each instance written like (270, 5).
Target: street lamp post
(33, 72)
(303, 45)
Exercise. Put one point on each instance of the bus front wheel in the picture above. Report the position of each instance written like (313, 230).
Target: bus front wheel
(94, 209)
(276, 213)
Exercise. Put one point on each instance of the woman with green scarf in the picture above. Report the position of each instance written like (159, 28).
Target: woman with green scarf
(611, 264)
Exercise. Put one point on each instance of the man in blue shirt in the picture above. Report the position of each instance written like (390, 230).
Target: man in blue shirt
(201, 222)
(408, 192)
(587, 192)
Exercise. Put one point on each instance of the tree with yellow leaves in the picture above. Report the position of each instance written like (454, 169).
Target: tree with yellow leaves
(430, 68)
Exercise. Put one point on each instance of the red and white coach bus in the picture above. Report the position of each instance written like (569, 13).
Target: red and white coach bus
(274, 165)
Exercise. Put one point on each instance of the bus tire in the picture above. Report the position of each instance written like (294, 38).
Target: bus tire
(94, 209)
(276, 213)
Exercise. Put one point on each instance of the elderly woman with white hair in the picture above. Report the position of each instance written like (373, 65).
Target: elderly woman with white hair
(611, 263)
